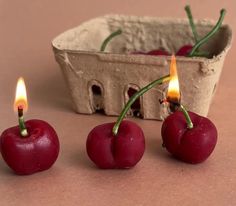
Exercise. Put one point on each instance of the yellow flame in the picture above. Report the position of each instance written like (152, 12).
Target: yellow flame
(21, 96)
(173, 88)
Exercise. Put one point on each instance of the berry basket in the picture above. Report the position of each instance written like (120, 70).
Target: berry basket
(105, 80)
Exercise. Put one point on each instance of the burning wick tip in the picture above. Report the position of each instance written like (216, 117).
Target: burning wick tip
(20, 111)
(174, 104)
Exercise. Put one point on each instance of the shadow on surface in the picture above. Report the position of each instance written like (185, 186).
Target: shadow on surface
(80, 158)
(154, 147)
(4, 169)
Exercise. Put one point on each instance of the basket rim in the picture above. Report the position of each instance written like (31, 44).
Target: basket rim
(109, 56)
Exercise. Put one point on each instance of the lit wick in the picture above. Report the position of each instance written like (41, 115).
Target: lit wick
(174, 104)
(173, 94)
(20, 105)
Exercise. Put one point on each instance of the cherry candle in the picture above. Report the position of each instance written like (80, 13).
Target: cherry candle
(186, 135)
(32, 146)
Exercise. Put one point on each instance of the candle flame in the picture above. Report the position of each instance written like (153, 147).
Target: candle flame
(21, 96)
(173, 92)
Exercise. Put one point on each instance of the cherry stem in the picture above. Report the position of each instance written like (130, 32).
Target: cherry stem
(201, 54)
(23, 130)
(187, 117)
(111, 36)
(209, 35)
(133, 99)
(190, 18)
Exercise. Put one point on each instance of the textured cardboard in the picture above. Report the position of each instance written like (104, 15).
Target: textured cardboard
(115, 71)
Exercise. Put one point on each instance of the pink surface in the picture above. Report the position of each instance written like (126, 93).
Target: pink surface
(27, 27)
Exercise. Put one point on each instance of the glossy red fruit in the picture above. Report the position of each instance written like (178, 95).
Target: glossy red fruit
(158, 52)
(33, 153)
(184, 50)
(122, 151)
(189, 145)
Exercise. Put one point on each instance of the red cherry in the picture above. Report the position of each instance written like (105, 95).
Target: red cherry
(184, 50)
(189, 145)
(33, 153)
(121, 151)
(158, 52)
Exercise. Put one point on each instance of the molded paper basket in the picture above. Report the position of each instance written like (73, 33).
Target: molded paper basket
(101, 80)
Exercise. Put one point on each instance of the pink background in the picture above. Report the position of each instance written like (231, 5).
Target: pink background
(26, 30)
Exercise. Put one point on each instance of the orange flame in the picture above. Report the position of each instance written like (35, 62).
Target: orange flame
(21, 96)
(173, 92)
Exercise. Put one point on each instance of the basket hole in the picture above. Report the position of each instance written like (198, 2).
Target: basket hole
(96, 90)
(96, 96)
(135, 107)
(100, 111)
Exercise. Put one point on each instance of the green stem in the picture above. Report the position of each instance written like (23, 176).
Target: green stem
(209, 35)
(201, 54)
(133, 98)
(190, 18)
(111, 36)
(23, 130)
(187, 117)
